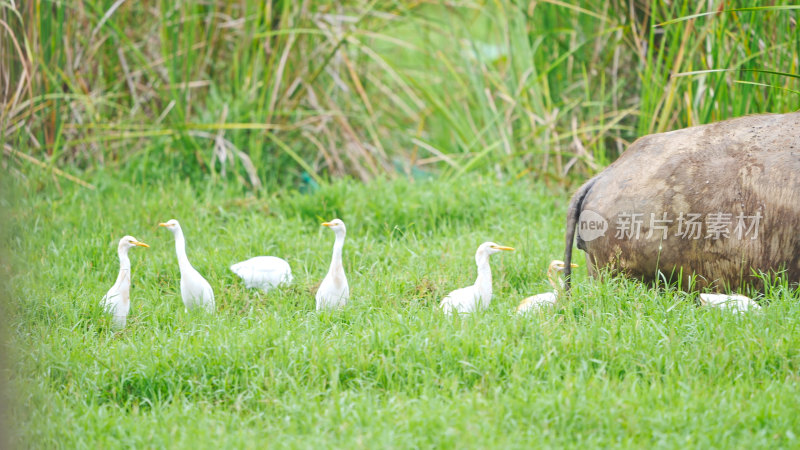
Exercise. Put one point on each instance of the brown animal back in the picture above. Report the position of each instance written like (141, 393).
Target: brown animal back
(732, 174)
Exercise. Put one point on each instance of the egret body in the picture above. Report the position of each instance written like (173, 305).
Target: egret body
(195, 290)
(479, 295)
(537, 301)
(734, 302)
(263, 272)
(117, 300)
(334, 291)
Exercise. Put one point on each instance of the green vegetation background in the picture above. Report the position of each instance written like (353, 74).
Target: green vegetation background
(465, 121)
(278, 94)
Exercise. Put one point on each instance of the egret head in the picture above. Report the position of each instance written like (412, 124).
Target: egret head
(553, 274)
(491, 247)
(336, 225)
(128, 242)
(171, 225)
(558, 266)
(488, 248)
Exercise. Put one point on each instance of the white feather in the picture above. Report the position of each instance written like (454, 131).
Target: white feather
(538, 301)
(195, 290)
(735, 302)
(263, 272)
(334, 291)
(478, 296)
(117, 300)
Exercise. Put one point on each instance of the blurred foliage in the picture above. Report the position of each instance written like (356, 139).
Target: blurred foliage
(261, 93)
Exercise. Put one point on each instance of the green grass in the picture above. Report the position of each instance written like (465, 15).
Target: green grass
(620, 364)
(219, 113)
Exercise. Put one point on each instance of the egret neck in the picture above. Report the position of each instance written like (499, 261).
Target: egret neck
(336, 257)
(124, 277)
(124, 261)
(483, 284)
(552, 276)
(180, 249)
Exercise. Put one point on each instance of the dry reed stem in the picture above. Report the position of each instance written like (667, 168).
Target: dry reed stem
(10, 151)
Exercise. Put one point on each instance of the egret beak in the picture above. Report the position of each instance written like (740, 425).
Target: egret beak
(573, 265)
(163, 225)
(502, 247)
(140, 244)
(327, 224)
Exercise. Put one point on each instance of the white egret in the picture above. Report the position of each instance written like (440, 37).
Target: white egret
(537, 301)
(479, 295)
(334, 291)
(117, 300)
(734, 302)
(263, 272)
(195, 290)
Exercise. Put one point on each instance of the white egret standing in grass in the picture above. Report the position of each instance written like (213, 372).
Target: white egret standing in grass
(117, 300)
(263, 272)
(537, 301)
(334, 291)
(479, 295)
(195, 290)
(734, 302)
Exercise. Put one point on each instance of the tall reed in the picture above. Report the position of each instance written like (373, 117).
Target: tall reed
(260, 93)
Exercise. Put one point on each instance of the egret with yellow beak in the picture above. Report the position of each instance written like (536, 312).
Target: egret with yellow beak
(195, 290)
(479, 295)
(117, 300)
(537, 301)
(334, 291)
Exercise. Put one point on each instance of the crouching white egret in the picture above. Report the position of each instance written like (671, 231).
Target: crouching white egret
(263, 272)
(479, 295)
(195, 290)
(735, 302)
(537, 301)
(117, 300)
(334, 291)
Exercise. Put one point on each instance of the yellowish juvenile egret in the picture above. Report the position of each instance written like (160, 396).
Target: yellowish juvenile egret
(734, 302)
(117, 300)
(263, 272)
(195, 290)
(334, 291)
(537, 301)
(479, 295)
